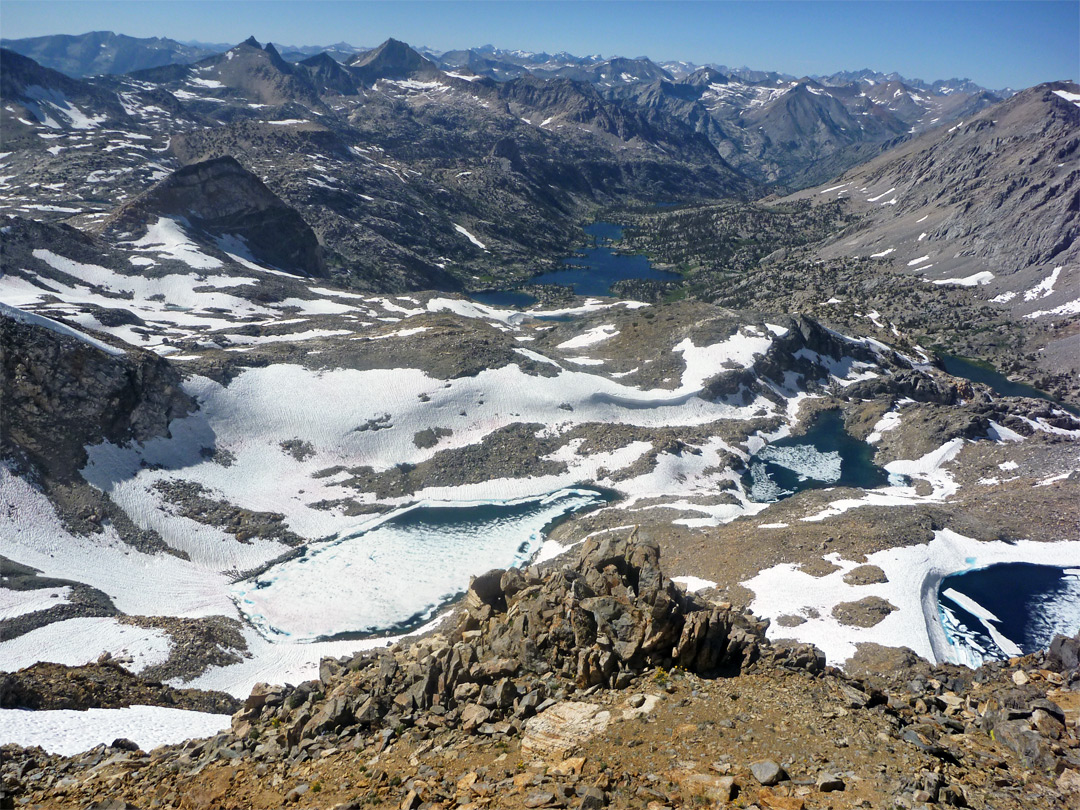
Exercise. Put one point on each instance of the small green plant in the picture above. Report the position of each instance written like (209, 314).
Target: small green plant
(316, 786)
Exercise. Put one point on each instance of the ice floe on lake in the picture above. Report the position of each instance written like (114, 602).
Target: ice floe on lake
(914, 574)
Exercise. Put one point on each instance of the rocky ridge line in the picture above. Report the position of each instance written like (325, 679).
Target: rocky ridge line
(546, 666)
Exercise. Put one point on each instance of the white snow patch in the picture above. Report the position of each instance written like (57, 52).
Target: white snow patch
(888, 421)
(1068, 308)
(470, 237)
(585, 361)
(595, 335)
(1065, 94)
(882, 253)
(167, 238)
(1044, 287)
(694, 584)
(68, 732)
(19, 603)
(977, 279)
(80, 641)
(1000, 433)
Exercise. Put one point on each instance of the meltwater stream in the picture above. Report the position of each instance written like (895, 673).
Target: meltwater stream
(393, 576)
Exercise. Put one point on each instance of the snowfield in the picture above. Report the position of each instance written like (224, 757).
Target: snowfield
(365, 422)
(69, 732)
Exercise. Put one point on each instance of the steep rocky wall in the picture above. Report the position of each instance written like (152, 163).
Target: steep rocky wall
(61, 394)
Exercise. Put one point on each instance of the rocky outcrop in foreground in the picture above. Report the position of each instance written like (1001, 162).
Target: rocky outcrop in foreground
(603, 684)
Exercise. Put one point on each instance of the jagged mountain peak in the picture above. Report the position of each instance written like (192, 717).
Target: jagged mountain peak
(393, 59)
(329, 75)
(706, 76)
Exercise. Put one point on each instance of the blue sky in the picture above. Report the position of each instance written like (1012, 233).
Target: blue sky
(996, 43)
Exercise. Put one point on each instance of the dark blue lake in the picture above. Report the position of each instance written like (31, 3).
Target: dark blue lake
(599, 266)
(1000, 384)
(1008, 609)
(590, 273)
(825, 456)
(504, 298)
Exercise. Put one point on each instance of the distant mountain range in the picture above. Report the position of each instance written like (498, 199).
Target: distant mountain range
(100, 52)
(773, 127)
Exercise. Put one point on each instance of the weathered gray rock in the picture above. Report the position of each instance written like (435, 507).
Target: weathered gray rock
(768, 772)
(827, 782)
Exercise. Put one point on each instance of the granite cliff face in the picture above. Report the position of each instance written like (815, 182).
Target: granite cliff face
(62, 393)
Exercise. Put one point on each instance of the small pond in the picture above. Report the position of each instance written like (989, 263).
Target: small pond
(504, 298)
(825, 456)
(1008, 609)
(393, 576)
(979, 372)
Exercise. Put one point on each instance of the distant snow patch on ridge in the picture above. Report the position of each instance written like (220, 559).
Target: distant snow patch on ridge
(470, 237)
(1044, 287)
(977, 279)
(1069, 308)
(60, 329)
(55, 99)
(595, 335)
(1065, 94)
